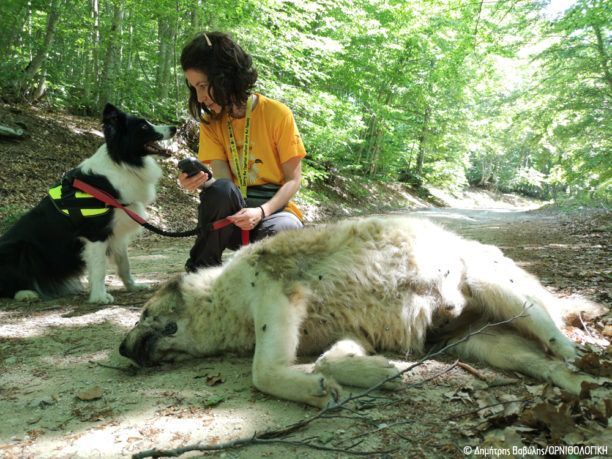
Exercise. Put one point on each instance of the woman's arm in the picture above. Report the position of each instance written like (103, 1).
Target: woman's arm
(221, 169)
(249, 217)
(292, 171)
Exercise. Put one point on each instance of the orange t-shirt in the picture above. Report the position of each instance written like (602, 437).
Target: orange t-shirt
(274, 140)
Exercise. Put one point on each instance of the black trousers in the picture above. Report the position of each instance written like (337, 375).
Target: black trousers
(218, 201)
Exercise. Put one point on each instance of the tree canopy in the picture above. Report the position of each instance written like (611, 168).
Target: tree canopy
(496, 93)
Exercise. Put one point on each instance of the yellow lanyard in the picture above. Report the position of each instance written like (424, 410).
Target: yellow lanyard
(241, 167)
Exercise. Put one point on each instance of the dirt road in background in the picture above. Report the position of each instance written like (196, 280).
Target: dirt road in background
(65, 391)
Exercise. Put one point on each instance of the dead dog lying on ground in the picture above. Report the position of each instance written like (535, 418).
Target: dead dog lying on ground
(47, 250)
(354, 288)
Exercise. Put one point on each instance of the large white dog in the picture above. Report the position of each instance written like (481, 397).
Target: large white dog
(378, 284)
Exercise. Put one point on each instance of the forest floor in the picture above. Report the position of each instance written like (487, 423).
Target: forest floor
(66, 392)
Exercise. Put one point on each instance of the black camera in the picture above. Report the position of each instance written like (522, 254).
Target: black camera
(191, 166)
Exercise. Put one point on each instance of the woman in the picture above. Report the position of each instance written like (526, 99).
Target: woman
(254, 191)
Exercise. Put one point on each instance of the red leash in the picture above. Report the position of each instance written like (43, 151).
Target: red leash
(111, 201)
(225, 222)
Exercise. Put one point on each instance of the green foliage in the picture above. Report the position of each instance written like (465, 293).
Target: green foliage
(550, 132)
(429, 91)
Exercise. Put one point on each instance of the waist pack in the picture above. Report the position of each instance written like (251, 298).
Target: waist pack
(260, 194)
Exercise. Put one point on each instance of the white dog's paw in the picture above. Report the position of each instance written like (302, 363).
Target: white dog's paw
(573, 383)
(101, 298)
(360, 371)
(562, 347)
(326, 393)
(376, 369)
(383, 369)
(27, 295)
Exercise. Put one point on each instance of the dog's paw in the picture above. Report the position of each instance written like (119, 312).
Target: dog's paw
(327, 393)
(563, 348)
(392, 373)
(27, 295)
(103, 298)
(573, 383)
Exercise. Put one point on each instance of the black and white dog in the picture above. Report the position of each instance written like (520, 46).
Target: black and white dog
(47, 250)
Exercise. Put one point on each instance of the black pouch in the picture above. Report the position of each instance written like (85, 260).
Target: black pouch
(260, 194)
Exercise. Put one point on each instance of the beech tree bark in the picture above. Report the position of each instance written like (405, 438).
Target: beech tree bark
(37, 62)
(112, 52)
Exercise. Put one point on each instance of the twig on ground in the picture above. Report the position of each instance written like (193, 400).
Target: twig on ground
(503, 382)
(419, 383)
(378, 429)
(73, 348)
(254, 440)
(437, 375)
(467, 413)
(584, 327)
(473, 371)
(131, 370)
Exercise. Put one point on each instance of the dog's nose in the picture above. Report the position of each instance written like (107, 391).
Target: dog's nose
(123, 350)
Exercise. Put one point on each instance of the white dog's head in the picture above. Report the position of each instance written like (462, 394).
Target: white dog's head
(170, 325)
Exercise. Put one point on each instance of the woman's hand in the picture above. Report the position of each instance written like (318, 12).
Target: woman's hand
(247, 218)
(192, 183)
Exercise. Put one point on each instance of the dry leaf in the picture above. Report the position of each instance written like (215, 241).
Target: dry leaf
(213, 380)
(93, 393)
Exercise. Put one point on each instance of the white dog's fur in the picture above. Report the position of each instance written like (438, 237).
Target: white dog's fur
(137, 186)
(392, 284)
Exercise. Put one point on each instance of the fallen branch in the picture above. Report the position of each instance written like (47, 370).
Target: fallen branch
(131, 369)
(467, 413)
(473, 371)
(584, 326)
(437, 375)
(12, 133)
(254, 440)
(70, 350)
(378, 429)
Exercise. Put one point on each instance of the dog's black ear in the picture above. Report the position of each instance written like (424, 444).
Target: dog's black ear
(113, 119)
(110, 113)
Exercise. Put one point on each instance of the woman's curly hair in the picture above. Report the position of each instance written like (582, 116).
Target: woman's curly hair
(229, 69)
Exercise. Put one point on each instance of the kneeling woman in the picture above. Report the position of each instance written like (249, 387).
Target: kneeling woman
(252, 144)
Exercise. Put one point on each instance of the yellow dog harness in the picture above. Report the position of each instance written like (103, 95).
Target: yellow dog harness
(77, 204)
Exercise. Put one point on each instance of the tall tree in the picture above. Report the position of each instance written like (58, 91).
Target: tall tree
(112, 54)
(35, 66)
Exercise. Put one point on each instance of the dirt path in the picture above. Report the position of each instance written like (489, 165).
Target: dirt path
(570, 254)
(65, 391)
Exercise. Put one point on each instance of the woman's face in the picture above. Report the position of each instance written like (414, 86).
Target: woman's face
(199, 81)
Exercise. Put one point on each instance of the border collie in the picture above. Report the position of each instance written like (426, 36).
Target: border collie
(49, 248)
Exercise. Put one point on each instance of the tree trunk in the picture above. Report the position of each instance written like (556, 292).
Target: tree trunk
(106, 92)
(366, 146)
(93, 55)
(603, 56)
(38, 60)
(166, 39)
(196, 23)
(130, 48)
(41, 87)
(423, 141)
